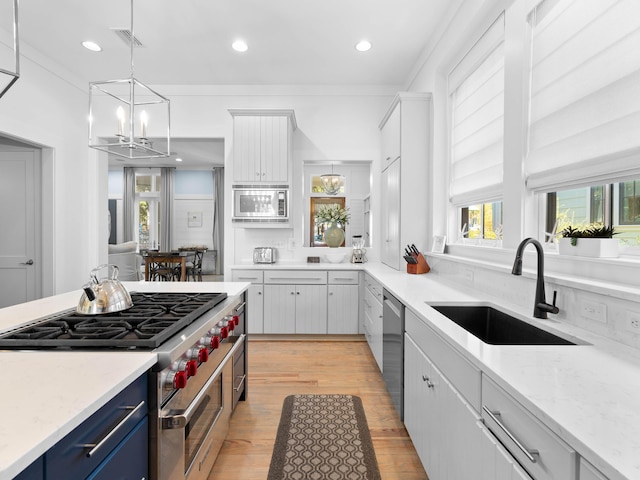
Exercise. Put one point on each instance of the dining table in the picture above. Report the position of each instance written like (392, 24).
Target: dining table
(159, 260)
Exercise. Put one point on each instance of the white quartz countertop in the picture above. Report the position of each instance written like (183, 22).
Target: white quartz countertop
(589, 394)
(46, 394)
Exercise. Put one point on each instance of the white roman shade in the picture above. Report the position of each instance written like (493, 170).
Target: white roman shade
(476, 89)
(584, 124)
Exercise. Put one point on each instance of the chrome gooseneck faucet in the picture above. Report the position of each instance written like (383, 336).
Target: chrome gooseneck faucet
(540, 307)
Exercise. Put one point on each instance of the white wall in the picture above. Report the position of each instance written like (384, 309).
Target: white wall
(46, 107)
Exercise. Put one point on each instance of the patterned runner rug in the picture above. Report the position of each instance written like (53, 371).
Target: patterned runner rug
(323, 437)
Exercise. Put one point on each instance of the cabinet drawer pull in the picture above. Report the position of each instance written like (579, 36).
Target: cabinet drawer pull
(94, 447)
(426, 379)
(532, 455)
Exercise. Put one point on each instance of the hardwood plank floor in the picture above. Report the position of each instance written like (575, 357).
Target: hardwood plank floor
(281, 368)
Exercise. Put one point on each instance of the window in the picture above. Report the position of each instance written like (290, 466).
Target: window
(615, 204)
(584, 106)
(147, 210)
(482, 221)
(317, 229)
(476, 89)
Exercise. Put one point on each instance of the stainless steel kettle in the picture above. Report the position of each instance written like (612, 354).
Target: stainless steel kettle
(104, 296)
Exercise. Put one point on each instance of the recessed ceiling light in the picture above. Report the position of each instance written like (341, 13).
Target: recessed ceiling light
(93, 46)
(240, 46)
(363, 45)
(178, 159)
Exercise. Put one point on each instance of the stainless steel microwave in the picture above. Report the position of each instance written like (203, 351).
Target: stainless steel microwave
(269, 203)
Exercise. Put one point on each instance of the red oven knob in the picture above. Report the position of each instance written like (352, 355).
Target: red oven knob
(191, 368)
(203, 354)
(177, 380)
(215, 342)
(220, 331)
(236, 320)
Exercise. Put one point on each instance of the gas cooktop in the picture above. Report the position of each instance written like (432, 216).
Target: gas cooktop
(153, 319)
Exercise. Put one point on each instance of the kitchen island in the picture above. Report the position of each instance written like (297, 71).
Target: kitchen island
(49, 393)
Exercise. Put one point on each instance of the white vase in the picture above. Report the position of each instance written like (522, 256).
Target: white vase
(590, 247)
(334, 236)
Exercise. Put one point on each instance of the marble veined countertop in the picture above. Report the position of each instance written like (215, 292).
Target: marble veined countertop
(47, 394)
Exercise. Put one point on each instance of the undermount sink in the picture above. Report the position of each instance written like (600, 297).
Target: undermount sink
(498, 328)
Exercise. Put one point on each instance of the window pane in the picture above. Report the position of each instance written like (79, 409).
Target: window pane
(143, 183)
(143, 226)
(573, 208)
(483, 221)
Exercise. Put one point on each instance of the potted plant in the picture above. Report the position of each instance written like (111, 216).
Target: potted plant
(591, 241)
(337, 218)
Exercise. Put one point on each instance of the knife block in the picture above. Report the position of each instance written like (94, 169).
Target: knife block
(421, 267)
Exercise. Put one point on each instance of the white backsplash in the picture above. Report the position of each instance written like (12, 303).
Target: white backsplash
(576, 305)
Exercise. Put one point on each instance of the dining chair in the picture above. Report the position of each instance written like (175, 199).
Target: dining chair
(194, 270)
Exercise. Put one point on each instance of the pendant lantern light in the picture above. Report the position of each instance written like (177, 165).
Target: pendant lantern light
(332, 182)
(10, 73)
(123, 111)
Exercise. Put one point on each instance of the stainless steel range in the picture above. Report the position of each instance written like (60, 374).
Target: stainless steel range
(200, 375)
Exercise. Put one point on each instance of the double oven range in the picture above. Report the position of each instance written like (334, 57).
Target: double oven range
(200, 375)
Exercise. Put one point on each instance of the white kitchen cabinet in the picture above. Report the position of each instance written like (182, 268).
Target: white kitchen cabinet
(495, 462)
(295, 309)
(589, 472)
(372, 317)
(295, 301)
(342, 302)
(391, 215)
(279, 309)
(553, 458)
(390, 138)
(255, 295)
(406, 128)
(262, 145)
(442, 425)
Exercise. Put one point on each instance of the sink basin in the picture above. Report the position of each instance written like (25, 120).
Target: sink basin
(498, 328)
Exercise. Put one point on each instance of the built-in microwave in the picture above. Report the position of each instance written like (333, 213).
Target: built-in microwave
(268, 203)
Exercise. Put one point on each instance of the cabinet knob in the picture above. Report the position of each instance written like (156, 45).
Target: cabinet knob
(330, 293)
(259, 293)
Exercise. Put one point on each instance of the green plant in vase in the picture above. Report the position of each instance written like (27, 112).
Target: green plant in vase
(337, 218)
(592, 231)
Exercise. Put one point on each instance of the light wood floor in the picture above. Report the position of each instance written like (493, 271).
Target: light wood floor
(281, 368)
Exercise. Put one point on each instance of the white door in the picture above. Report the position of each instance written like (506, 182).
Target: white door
(19, 169)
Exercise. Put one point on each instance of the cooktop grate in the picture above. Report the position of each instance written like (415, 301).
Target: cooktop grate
(153, 319)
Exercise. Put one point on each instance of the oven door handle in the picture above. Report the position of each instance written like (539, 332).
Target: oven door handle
(240, 308)
(170, 422)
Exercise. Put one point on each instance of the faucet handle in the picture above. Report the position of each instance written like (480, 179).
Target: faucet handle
(553, 308)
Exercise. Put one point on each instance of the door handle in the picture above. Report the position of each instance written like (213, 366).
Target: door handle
(28, 262)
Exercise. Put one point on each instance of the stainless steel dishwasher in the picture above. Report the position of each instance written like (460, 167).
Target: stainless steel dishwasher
(393, 349)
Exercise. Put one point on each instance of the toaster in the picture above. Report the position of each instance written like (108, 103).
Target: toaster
(264, 255)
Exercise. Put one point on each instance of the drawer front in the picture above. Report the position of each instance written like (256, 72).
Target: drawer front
(68, 458)
(253, 276)
(464, 376)
(296, 277)
(373, 286)
(502, 413)
(344, 277)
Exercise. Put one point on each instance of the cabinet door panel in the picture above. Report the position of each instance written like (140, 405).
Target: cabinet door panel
(279, 309)
(342, 309)
(311, 309)
(274, 150)
(246, 149)
(391, 215)
(255, 318)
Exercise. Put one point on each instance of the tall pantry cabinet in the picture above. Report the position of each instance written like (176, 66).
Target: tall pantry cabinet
(406, 146)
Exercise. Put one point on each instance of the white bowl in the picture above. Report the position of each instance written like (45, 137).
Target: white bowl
(335, 257)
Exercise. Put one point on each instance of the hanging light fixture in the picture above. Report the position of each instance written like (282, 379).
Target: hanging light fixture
(332, 182)
(10, 74)
(127, 109)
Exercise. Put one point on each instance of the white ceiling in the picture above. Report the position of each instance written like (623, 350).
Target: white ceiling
(188, 42)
